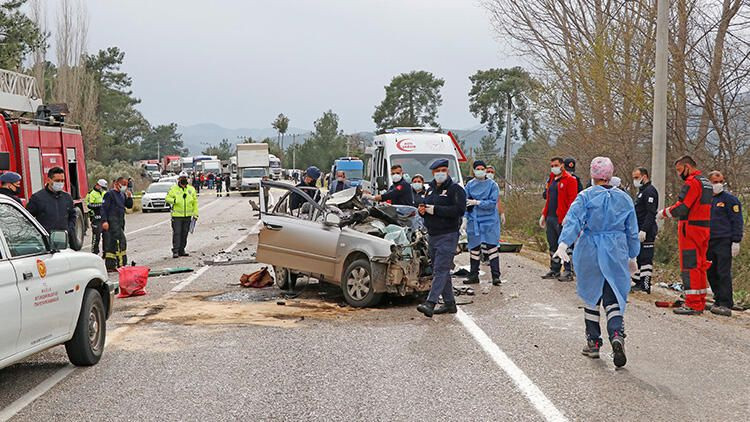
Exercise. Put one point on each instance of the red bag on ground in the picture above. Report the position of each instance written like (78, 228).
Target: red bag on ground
(133, 281)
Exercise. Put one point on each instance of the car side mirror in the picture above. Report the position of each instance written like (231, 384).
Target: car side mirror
(59, 240)
(380, 182)
(332, 219)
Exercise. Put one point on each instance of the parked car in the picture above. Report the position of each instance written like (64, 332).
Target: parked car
(368, 251)
(155, 197)
(49, 294)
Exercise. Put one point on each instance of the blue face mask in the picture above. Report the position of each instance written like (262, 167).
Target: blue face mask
(480, 174)
(440, 177)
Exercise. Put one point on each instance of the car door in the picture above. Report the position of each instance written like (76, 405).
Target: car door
(292, 239)
(10, 306)
(45, 285)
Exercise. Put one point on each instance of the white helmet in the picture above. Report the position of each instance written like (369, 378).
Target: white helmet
(102, 183)
(183, 174)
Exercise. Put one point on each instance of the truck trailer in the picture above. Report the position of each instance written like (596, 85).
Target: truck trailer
(252, 166)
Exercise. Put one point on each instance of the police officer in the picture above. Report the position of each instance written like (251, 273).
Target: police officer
(443, 209)
(726, 235)
(646, 206)
(94, 201)
(183, 199)
(309, 185)
(11, 185)
(400, 192)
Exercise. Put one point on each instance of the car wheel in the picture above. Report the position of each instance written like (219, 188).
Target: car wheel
(285, 279)
(145, 210)
(79, 231)
(87, 345)
(357, 285)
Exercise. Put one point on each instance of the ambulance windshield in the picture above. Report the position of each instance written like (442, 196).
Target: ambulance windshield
(420, 164)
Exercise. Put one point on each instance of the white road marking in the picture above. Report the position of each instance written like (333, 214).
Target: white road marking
(36, 392)
(161, 223)
(25, 400)
(537, 398)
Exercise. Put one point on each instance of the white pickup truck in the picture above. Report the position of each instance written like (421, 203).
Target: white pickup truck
(49, 294)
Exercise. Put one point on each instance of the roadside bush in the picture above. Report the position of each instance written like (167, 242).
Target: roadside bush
(97, 170)
(522, 211)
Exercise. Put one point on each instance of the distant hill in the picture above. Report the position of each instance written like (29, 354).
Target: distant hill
(198, 137)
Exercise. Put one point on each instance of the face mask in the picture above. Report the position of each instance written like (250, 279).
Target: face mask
(123, 188)
(417, 186)
(183, 182)
(15, 188)
(58, 186)
(718, 188)
(685, 173)
(440, 177)
(637, 183)
(480, 174)
(396, 177)
(340, 179)
(490, 176)
(556, 171)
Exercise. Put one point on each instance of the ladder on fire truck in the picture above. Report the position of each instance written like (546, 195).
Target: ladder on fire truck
(18, 92)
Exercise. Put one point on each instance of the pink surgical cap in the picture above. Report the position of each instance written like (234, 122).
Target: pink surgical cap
(602, 168)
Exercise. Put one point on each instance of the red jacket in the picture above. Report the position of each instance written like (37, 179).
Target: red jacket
(694, 202)
(567, 190)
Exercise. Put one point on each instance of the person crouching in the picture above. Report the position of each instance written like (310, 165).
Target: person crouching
(604, 256)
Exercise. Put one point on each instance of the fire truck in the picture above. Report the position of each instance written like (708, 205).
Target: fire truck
(34, 138)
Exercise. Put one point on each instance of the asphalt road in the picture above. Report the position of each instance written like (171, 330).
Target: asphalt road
(199, 347)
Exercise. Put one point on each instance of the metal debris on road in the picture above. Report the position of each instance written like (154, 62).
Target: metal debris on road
(169, 271)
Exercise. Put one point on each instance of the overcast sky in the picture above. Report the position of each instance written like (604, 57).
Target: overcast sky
(240, 63)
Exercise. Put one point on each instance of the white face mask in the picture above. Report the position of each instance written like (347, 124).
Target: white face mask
(417, 186)
(396, 177)
(123, 188)
(638, 183)
(480, 174)
(340, 179)
(718, 188)
(556, 170)
(440, 177)
(58, 186)
(490, 176)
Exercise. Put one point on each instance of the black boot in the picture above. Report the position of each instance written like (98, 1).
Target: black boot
(496, 281)
(592, 349)
(447, 308)
(646, 284)
(566, 276)
(618, 350)
(427, 308)
(472, 279)
(551, 275)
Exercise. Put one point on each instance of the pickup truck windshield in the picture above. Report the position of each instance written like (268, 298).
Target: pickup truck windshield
(420, 164)
(248, 173)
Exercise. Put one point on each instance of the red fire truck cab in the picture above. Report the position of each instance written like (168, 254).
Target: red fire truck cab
(32, 146)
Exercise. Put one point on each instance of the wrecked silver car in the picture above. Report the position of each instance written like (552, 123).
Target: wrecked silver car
(368, 250)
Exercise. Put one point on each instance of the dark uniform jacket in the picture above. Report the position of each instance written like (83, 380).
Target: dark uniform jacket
(296, 201)
(400, 193)
(114, 205)
(8, 192)
(449, 200)
(646, 207)
(726, 217)
(53, 210)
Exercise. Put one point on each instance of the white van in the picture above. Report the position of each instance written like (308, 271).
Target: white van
(49, 294)
(415, 149)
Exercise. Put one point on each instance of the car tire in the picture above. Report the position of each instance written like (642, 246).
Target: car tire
(357, 285)
(285, 279)
(145, 210)
(79, 231)
(87, 345)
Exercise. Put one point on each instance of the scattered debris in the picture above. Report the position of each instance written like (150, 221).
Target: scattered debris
(258, 279)
(667, 304)
(169, 271)
(463, 290)
(230, 261)
(280, 302)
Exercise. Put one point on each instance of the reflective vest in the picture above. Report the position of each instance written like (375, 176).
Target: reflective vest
(94, 201)
(184, 201)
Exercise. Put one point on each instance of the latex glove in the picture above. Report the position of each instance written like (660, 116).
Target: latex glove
(641, 236)
(471, 202)
(562, 253)
(502, 219)
(663, 213)
(430, 209)
(367, 196)
(735, 248)
(542, 222)
(633, 266)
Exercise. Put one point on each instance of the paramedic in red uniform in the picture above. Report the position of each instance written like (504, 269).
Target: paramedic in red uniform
(560, 193)
(693, 208)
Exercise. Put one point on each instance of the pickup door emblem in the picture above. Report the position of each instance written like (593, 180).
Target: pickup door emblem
(42, 267)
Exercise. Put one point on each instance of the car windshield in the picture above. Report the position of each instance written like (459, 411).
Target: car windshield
(275, 164)
(420, 164)
(159, 188)
(253, 172)
(353, 174)
(151, 167)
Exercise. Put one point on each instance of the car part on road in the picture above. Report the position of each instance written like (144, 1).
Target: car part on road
(87, 345)
(230, 261)
(170, 271)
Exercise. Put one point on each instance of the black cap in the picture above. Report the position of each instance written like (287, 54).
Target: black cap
(570, 164)
(442, 162)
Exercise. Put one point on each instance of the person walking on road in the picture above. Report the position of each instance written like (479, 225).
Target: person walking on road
(443, 210)
(646, 207)
(560, 192)
(340, 183)
(605, 256)
(400, 192)
(10, 185)
(482, 223)
(227, 183)
(94, 201)
(693, 208)
(724, 243)
(219, 184)
(183, 199)
(113, 222)
(51, 206)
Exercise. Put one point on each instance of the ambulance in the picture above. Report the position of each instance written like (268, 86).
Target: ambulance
(415, 149)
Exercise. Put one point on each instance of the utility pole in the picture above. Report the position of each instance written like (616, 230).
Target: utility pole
(294, 151)
(659, 135)
(158, 150)
(508, 150)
